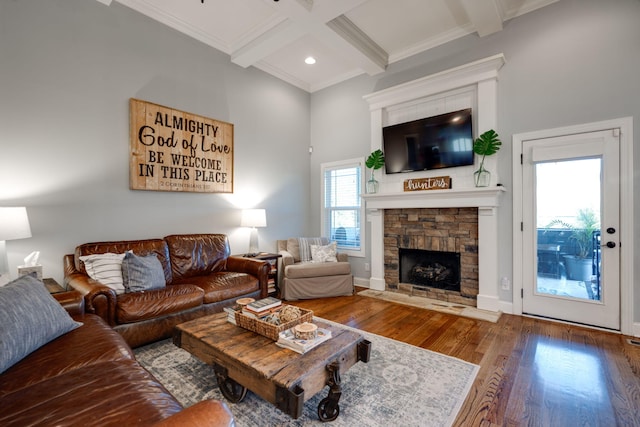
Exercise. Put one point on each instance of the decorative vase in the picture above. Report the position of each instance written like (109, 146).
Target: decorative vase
(482, 177)
(372, 184)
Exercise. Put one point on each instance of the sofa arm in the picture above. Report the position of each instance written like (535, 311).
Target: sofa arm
(209, 413)
(72, 301)
(255, 267)
(98, 298)
(286, 259)
(342, 257)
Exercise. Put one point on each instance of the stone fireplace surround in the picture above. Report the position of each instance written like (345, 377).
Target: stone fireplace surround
(452, 230)
(472, 85)
(485, 200)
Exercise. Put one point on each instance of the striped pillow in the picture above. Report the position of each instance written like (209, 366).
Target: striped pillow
(106, 269)
(305, 246)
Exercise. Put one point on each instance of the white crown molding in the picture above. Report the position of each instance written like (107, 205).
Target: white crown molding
(430, 43)
(301, 84)
(267, 43)
(286, 77)
(257, 32)
(464, 75)
(174, 22)
(530, 6)
(338, 79)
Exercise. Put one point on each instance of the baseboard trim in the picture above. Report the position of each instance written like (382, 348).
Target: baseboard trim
(490, 303)
(636, 329)
(505, 306)
(361, 281)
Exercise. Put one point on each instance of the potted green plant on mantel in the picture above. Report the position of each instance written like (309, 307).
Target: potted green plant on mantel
(579, 265)
(374, 161)
(486, 144)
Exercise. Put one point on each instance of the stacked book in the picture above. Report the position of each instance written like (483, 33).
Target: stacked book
(231, 313)
(288, 340)
(262, 307)
(256, 309)
(263, 304)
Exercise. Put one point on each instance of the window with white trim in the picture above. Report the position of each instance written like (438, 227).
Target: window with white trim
(342, 209)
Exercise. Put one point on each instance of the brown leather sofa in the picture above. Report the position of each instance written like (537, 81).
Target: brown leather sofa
(201, 278)
(89, 377)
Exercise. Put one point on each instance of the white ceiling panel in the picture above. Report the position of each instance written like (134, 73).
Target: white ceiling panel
(312, 77)
(347, 37)
(409, 23)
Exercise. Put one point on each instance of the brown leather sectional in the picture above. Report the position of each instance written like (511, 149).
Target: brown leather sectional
(89, 377)
(201, 276)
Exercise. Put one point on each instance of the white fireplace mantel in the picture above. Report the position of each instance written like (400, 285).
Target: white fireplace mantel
(485, 199)
(470, 85)
(480, 197)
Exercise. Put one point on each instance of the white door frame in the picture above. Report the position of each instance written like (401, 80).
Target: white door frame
(625, 125)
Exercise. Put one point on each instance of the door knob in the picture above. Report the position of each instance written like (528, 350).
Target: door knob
(610, 244)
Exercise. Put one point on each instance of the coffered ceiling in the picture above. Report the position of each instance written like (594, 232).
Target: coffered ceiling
(346, 37)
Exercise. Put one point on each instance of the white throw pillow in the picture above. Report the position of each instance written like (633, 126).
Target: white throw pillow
(324, 253)
(305, 246)
(105, 268)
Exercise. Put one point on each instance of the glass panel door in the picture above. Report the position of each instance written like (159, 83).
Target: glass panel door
(571, 251)
(568, 228)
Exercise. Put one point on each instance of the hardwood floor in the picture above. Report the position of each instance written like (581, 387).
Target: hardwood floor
(532, 372)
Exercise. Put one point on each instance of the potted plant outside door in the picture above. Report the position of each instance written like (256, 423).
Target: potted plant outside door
(580, 265)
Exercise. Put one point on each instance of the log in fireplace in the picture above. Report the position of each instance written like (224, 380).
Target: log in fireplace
(435, 269)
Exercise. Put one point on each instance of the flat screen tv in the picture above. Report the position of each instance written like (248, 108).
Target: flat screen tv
(437, 142)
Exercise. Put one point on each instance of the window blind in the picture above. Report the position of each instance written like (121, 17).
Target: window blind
(342, 188)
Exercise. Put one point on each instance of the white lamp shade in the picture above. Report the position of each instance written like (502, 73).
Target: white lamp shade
(253, 218)
(14, 223)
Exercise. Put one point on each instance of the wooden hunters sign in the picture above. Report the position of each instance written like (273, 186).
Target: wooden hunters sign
(435, 183)
(176, 151)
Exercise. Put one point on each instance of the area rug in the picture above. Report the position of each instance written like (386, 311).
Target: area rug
(401, 385)
(432, 304)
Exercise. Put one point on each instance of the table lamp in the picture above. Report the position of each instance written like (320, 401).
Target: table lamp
(14, 224)
(253, 218)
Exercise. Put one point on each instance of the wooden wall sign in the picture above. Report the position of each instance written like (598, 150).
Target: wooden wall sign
(435, 183)
(171, 150)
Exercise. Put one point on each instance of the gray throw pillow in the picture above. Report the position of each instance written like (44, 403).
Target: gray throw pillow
(142, 273)
(29, 318)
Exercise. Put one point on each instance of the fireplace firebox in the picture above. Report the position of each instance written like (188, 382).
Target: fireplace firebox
(435, 269)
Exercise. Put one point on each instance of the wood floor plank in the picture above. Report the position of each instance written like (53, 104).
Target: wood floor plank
(532, 372)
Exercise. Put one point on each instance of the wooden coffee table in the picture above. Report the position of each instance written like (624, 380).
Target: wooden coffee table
(245, 360)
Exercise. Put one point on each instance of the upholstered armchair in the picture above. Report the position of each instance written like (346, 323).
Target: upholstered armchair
(311, 268)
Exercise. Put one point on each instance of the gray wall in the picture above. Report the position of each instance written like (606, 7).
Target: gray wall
(67, 71)
(573, 62)
(68, 68)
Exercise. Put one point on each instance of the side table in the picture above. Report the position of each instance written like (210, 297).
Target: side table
(273, 274)
(52, 286)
